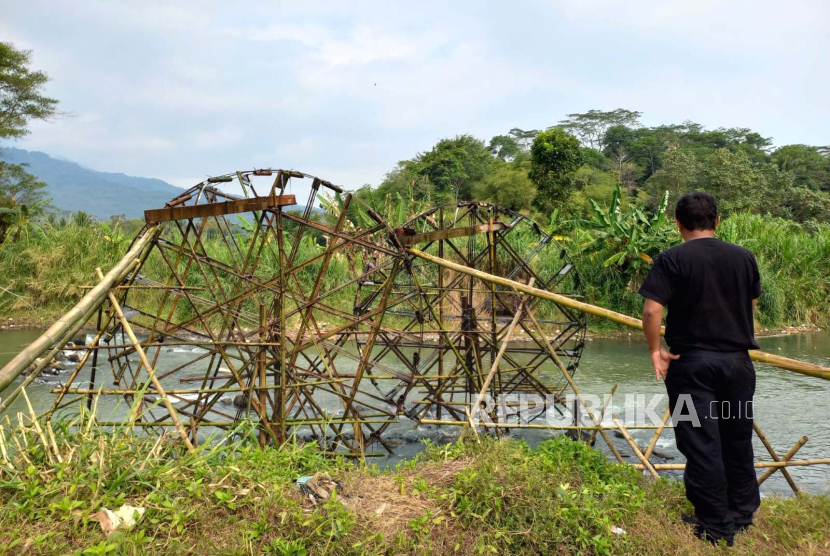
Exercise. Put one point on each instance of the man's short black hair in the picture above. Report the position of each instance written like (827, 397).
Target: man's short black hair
(697, 211)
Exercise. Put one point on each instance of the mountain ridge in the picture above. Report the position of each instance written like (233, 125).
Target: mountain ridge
(73, 187)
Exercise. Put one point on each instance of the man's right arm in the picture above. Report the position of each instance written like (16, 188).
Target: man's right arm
(652, 320)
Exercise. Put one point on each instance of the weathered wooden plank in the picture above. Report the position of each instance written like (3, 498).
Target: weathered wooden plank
(153, 216)
(406, 237)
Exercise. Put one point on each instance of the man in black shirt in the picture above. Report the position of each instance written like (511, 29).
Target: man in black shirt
(711, 288)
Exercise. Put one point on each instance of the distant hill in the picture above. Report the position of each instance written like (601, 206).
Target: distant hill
(102, 194)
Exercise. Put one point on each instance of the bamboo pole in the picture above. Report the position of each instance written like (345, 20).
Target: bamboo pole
(156, 383)
(774, 456)
(634, 447)
(657, 433)
(534, 426)
(263, 336)
(181, 391)
(768, 465)
(505, 341)
(605, 403)
(789, 455)
(472, 425)
(785, 363)
(91, 300)
(572, 384)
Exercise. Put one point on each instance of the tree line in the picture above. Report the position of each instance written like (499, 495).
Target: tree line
(585, 155)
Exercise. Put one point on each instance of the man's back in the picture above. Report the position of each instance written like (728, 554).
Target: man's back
(708, 286)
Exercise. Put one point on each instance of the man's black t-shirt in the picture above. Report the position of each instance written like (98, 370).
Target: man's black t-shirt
(708, 286)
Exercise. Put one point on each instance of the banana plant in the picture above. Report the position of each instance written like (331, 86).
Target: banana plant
(630, 239)
(17, 222)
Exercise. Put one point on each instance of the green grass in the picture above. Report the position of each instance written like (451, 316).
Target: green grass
(492, 497)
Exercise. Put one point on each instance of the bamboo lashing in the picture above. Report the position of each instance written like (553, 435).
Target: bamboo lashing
(785, 363)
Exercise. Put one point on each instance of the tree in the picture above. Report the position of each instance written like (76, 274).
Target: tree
(591, 126)
(618, 138)
(630, 240)
(595, 159)
(730, 178)
(810, 168)
(22, 197)
(679, 174)
(507, 184)
(82, 219)
(648, 152)
(21, 100)
(554, 159)
(406, 180)
(504, 147)
(804, 204)
(523, 138)
(454, 166)
(591, 183)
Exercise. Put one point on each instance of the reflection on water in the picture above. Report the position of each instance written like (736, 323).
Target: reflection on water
(787, 405)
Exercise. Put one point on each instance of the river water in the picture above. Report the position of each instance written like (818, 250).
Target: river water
(787, 405)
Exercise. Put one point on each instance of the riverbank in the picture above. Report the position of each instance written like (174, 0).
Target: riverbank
(464, 498)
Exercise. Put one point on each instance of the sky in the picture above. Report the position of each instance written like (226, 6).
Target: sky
(345, 90)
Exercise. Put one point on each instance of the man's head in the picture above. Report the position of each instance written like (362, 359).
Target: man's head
(696, 214)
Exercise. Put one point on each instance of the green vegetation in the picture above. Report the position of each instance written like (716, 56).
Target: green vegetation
(737, 165)
(466, 498)
(793, 260)
(43, 269)
(21, 100)
(607, 185)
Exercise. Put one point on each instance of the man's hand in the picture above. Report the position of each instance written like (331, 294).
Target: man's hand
(660, 359)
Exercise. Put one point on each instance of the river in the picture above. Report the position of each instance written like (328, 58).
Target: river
(787, 405)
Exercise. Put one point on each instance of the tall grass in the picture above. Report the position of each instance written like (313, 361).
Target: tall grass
(42, 274)
(794, 264)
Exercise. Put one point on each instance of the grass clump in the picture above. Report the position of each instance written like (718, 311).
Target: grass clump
(488, 497)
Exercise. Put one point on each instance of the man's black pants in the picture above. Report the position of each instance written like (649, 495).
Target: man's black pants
(720, 477)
